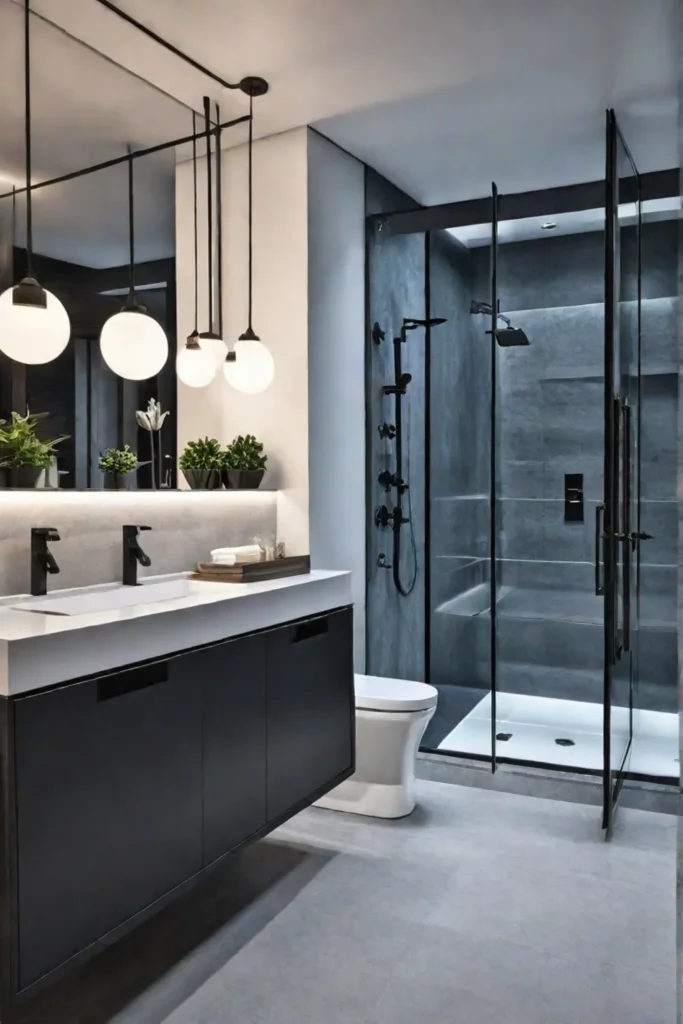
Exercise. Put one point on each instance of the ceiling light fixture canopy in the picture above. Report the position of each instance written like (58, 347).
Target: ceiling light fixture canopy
(195, 363)
(34, 325)
(250, 368)
(133, 344)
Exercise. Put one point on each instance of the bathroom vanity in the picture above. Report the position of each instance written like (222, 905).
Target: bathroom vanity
(142, 745)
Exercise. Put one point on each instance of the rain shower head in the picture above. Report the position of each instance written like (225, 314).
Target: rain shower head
(508, 336)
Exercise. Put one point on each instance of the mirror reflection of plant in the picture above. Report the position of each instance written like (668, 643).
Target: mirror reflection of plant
(245, 452)
(152, 419)
(118, 461)
(205, 453)
(21, 446)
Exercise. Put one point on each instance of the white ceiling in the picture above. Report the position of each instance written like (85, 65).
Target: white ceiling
(441, 95)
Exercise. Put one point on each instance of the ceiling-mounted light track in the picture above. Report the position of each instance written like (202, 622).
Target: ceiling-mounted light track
(177, 52)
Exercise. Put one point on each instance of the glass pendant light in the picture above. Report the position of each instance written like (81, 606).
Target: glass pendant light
(195, 365)
(211, 341)
(133, 344)
(34, 326)
(250, 368)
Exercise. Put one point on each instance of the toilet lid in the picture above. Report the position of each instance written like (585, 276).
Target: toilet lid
(375, 693)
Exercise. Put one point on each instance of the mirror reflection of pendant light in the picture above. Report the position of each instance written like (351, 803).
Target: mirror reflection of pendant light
(133, 344)
(34, 326)
(211, 340)
(250, 368)
(195, 365)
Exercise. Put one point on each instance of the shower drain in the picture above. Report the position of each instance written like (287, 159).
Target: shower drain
(562, 742)
(503, 736)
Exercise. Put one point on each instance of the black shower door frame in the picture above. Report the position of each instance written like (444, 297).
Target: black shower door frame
(491, 209)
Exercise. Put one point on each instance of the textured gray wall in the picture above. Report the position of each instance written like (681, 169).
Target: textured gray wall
(460, 397)
(396, 269)
(550, 417)
(185, 526)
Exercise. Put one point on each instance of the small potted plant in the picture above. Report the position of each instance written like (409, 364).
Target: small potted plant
(244, 463)
(201, 462)
(116, 464)
(24, 457)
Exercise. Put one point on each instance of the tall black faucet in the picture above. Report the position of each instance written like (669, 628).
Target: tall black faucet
(132, 554)
(42, 559)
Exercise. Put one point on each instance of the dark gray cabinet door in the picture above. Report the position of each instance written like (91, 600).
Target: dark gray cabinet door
(310, 708)
(234, 728)
(109, 797)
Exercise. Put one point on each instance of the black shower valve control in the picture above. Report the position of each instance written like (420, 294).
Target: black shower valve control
(382, 561)
(378, 335)
(387, 480)
(384, 516)
(387, 430)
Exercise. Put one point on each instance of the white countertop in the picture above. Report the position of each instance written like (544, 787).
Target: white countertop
(39, 650)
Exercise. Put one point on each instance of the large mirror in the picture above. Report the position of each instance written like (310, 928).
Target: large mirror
(87, 111)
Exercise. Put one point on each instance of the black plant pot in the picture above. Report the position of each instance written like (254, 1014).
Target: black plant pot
(116, 481)
(4, 476)
(25, 476)
(243, 479)
(202, 479)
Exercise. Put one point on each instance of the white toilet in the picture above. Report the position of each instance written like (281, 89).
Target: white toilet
(391, 717)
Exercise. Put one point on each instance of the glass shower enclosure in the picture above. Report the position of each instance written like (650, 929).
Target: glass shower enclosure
(547, 403)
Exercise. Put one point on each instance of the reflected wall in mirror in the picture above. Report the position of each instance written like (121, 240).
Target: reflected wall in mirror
(87, 111)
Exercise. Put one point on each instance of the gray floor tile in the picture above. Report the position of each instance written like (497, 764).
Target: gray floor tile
(481, 908)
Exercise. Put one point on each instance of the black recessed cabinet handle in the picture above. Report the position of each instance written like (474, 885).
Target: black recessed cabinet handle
(309, 630)
(131, 680)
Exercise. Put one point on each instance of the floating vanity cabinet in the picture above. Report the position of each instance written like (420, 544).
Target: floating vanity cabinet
(310, 708)
(120, 790)
(108, 806)
(234, 728)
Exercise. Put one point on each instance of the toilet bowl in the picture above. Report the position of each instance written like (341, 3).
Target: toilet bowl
(391, 717)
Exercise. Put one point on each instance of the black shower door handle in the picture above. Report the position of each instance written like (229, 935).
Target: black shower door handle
(599, 526)
(626, 522)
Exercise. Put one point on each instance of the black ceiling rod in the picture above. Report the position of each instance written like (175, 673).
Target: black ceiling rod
(151, 34)
(244, 84)
(124, 159)
(219, 219)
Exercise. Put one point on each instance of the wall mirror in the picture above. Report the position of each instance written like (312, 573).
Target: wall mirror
(87, 111)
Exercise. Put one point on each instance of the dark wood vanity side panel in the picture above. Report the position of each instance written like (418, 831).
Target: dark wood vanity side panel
(8, 861)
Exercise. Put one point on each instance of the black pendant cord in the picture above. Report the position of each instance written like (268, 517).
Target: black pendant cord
(131, 229)
(219, 219)
(196, 233)
(250, 329)
(209, 205)
(27, 128)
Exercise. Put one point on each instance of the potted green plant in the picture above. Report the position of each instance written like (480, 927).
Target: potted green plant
(244, 463)
(201, 462)
(116, 464)
(24, 456)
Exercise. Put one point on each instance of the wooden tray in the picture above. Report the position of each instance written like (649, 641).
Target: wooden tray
(250, 572)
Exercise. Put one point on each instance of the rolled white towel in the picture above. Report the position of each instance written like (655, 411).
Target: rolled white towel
(224, 560)
(238, 552)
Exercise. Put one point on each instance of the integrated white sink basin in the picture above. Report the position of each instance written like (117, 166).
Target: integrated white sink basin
(96, 600)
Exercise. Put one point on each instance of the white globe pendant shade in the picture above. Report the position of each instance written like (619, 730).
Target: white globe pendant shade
(253, 368)
(32, 333)
(133, 344)
(216, 347)
(195, 364)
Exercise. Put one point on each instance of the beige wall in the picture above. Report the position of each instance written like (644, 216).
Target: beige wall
(279, 417)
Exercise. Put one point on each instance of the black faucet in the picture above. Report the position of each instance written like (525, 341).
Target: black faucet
(132, 554)
(42, 559)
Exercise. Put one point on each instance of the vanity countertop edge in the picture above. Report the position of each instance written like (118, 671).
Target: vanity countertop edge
(38, 651)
